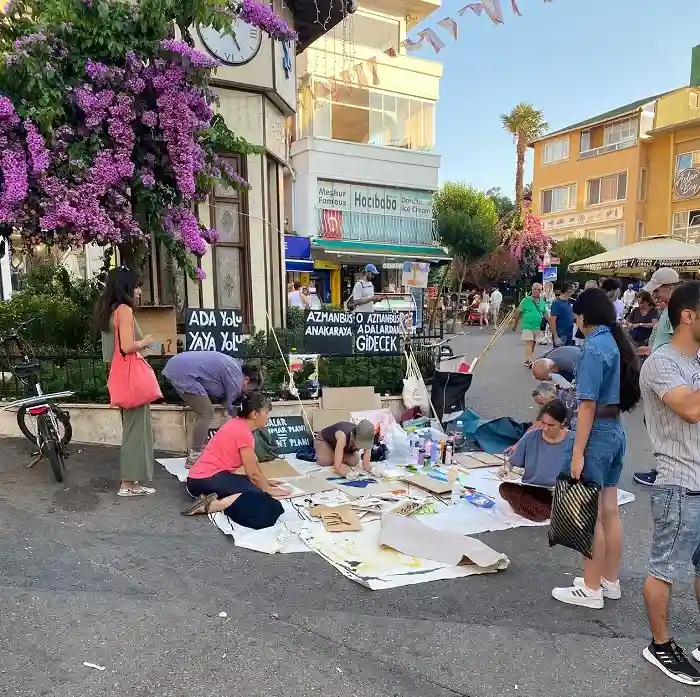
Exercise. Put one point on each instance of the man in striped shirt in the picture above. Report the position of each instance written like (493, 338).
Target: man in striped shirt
(670, 382)
(661, 284)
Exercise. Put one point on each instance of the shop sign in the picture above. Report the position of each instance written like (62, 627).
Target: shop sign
(687, 183)
(379, 200)
(323, 265)
(600, 215)
(297, 247)
(213, 330)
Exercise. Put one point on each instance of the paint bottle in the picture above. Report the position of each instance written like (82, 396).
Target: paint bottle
(434, 453)
(421, 457)
(449, 451)
(428, 450)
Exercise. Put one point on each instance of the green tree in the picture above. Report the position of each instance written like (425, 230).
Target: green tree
(504, 204)
(524, 123)
(575, 249)
(466, 221)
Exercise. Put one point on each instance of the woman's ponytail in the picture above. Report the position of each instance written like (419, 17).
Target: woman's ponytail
(630, 392)
(249, 402)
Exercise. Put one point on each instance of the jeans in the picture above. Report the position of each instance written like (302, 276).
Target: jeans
(676, 541)
(604, 453)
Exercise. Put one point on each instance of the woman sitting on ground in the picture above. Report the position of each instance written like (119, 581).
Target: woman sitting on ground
(227, 476)
(538, 457)
(339, 445)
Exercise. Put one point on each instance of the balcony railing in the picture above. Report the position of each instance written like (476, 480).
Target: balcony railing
(608, 148)
(383, 229)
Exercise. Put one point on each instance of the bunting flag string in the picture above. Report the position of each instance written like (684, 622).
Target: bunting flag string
(429, 36)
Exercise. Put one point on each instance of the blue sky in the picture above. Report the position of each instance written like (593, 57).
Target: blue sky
(571, 58)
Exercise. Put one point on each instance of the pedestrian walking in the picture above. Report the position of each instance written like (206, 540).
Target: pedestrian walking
(484, 309)
(115, 308)
(670, 385)
(532, 315)
(496, 300)
(607, 383)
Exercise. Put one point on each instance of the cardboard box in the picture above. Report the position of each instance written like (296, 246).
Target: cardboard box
(161, 322)
(328, 417)
(337, 518)
(350, 398)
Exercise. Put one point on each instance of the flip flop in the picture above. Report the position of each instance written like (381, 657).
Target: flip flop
(206, 501)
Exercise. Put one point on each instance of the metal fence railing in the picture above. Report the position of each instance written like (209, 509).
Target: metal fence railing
(86, 375)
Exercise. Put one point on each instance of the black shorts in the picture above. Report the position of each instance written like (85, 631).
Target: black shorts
(254, 508)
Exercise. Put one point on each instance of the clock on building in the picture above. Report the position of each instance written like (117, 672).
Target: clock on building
(232, 50)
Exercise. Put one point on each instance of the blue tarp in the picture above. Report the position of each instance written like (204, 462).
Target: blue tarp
(492, 435)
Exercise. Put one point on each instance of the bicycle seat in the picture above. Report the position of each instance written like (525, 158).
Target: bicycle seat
(26, 369)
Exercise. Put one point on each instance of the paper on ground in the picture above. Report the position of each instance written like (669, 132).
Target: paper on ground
(410, 536)
(359, 557)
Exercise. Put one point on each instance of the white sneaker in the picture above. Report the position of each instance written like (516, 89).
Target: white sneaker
(610, 590)
(576, 595)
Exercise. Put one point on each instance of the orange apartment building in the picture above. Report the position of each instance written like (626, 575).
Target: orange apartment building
(629, 173)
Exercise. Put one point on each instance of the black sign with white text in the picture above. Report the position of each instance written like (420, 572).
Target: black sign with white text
(347, 333)
(213, 330)
(329, 333)
(290, 433)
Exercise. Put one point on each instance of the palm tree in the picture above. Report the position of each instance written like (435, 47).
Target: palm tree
(524, 123)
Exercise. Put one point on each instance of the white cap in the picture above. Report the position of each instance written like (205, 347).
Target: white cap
(662, 277)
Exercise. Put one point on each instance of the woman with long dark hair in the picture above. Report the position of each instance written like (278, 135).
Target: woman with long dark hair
(607, 383)
(115, 309)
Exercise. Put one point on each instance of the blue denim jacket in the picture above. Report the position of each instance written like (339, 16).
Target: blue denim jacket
(598, 369)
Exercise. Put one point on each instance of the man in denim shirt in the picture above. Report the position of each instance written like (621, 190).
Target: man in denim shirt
(596, 452)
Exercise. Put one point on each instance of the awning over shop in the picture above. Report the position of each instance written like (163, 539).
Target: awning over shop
(301, 265)
(358, 250)
(638, 258)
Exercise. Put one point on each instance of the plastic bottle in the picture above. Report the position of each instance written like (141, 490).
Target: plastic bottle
(428, 451)
(434, 453)
(413, 441)
(453, 479)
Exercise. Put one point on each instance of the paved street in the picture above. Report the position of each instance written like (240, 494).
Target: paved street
(133, 586)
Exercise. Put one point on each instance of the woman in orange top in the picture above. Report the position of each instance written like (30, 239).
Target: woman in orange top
(227, 476)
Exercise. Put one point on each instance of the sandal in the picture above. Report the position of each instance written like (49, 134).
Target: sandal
(205, 501)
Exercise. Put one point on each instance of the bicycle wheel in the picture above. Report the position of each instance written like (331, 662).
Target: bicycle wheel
(27, 424)
(50, 447)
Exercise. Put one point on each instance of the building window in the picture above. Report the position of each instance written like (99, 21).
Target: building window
(365, 29)
(686, 226)
(643, 184)
(231, 276)
(640, 229)
(693, 101)
(556, 151)
(607, 189)
(609, 237)
(687, 159)
(559, 199)
(367, 116)
(620, 131)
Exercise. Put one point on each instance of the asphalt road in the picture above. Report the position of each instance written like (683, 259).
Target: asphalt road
(132, 586)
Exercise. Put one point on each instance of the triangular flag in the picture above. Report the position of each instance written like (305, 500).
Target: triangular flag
(372, 62)
(391, 52)
(433, 39)
(474, 7)
(345, 77)
(413, 45)
(361, 77)
(450, 26)
(516, 10)
(493, 10)
(335, 90)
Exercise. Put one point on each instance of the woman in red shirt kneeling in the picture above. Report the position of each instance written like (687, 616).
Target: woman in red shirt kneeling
(227, 476)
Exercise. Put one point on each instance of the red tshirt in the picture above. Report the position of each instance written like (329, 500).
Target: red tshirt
(223, 452)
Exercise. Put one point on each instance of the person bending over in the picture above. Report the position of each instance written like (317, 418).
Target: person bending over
(607, 383)
(671, 389)
(227, 476)
(205, 378)
(338, 446)
(559, 361)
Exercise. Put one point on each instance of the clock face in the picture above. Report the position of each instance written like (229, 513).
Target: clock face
(232, 50)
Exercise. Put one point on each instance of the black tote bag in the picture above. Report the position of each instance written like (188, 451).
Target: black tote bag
(574, 514)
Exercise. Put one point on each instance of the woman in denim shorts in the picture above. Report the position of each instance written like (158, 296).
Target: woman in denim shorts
(607, 383)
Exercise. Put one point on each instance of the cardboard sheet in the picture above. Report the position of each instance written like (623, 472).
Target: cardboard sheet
(351, 398)
(328, 417)
(466, 460)
(337, 518)
(352, 489)
(274, 469)
(309, 485)
(161, 322)
(423, 481)
(487, 458)
(410, 536)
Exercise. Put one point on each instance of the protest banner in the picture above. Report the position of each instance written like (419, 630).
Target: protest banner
(213, 330)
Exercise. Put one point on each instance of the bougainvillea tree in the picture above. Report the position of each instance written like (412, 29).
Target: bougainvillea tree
(108, 131)
(527, 242)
